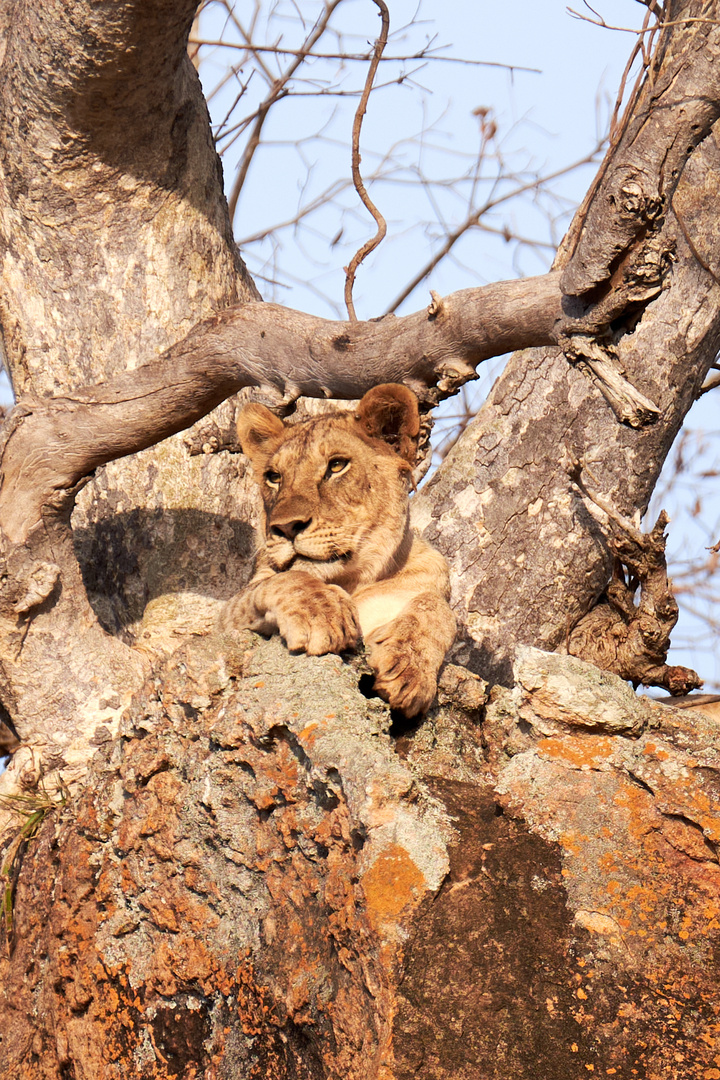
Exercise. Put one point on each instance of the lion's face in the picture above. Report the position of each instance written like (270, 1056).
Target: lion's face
(334, 491)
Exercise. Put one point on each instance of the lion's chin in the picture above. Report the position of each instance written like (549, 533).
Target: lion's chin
(282, 557)
(288, 556)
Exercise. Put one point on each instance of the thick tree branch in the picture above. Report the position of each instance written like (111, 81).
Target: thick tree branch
(122, 60)
(51, 445)
(678, 106)
(104, 132)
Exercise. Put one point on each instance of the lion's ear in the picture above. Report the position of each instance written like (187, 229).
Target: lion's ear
(390, 412)
(259, 431)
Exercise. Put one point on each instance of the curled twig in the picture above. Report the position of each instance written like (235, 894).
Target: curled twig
(371, 244)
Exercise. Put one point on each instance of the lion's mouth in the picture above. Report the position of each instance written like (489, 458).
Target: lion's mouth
(336, 557)
(339, 556)
(297, 558)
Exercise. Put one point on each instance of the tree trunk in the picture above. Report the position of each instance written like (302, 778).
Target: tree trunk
(115, 243)
(233, 864)
(527, 558)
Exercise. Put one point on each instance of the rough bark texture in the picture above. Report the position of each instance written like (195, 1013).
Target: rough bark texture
(111, 190)
(533, 560)
(115, 243)
(262, 874)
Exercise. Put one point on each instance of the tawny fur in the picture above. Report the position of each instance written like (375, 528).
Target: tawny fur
(340, 560)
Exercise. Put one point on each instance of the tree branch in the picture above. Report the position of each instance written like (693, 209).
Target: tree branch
(367, 202)
(677, 108)
(129, 75)
(52, 444)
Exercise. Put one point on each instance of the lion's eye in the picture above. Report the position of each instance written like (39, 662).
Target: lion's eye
(273, 478)
(336, 466)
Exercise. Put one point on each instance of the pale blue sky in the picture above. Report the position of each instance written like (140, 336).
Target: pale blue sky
(548, 119)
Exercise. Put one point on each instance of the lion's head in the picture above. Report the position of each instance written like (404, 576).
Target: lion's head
(335, 487)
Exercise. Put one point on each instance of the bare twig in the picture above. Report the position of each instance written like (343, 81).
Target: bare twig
(473, 219)
(243, 132)
(277, 90)
(616, 128)
(421, 54)
(319, 201)
(371, 244)
(600, 21)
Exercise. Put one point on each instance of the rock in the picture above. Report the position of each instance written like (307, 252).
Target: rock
(262, 882)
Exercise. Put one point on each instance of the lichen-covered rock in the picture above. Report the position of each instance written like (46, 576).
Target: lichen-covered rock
(233, 891)
(262, 882)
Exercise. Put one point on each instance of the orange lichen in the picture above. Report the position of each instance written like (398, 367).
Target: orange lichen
(651, 749)
(391, 885)
(572, 841)
(587, 751)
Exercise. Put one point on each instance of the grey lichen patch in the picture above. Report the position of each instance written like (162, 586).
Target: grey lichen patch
(344, 733)
(562, 690)
(319, 684)
(238, 686)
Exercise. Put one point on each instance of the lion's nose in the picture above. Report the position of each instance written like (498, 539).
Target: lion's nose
(289, 529)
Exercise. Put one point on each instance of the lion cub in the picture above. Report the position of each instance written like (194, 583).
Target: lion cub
(340, 560)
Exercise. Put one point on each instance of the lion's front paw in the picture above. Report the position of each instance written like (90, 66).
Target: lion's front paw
(405, 668)
(316, 618)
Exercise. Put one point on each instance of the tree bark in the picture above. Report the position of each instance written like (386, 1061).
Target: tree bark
(115, 242)
(527, 557)
(115, 234)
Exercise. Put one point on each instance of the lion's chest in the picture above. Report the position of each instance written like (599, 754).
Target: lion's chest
(380, 604)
